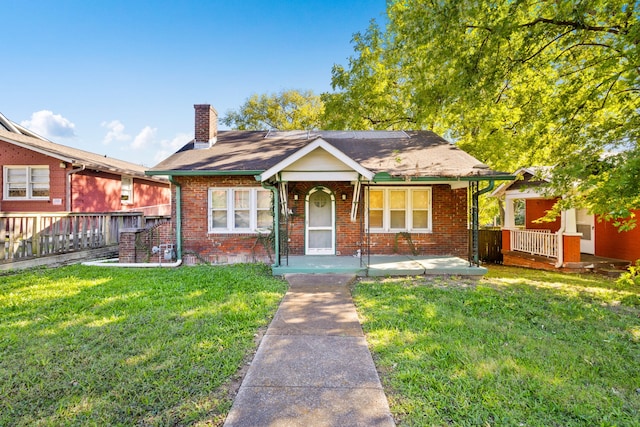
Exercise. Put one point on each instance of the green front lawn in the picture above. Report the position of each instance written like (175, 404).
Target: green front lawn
(519, 348)
(108, 346)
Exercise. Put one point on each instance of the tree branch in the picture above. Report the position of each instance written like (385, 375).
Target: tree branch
(573, 24)
(555, 39)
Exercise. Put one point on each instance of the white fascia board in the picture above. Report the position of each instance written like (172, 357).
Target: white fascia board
(318, 143)
(319, 176)
(528, 194)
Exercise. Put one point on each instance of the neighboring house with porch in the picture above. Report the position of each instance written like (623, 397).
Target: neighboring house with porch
(41, 176)
(575, 240)
(329, 193)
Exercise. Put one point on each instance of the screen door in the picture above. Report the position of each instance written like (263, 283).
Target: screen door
(320, 222)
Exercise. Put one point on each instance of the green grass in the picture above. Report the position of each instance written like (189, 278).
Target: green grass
(519, 348)
(107, 346)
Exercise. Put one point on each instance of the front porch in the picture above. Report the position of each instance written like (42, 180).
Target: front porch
(585, 263)
(380, 265)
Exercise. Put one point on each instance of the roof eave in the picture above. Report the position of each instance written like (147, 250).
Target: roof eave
(386, 177)
(174, 172)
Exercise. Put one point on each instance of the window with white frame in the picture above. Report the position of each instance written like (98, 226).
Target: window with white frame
(126, 190)
(240, 210)
(26, 183)
(396, 209)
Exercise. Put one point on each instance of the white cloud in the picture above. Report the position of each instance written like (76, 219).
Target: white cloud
(168, 147)
(50, 125)
(116, 132)
(144, 138)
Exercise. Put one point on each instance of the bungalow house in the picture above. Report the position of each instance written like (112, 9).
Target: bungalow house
(41, 176)
(574, 240)
(329, 193)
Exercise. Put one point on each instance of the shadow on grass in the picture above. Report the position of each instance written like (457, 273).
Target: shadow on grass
(81, 345)
(507, 354)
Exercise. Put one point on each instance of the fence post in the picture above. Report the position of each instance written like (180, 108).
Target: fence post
(3, 237)
(36, 243)
(107, 229)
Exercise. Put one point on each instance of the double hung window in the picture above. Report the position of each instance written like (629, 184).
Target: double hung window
(400, 209)
(126, 190)
(240, 210)
(26, 183)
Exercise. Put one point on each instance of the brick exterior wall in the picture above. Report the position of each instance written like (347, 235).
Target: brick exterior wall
(197, 243)
(136, 244)
(450, 234)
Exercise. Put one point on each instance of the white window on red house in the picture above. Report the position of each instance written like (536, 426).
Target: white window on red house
(395, 209)
(240, 210)
(126, 190)
(26, 183)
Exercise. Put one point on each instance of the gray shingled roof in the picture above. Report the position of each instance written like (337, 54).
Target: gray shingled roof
(398, 153)
(76, 156)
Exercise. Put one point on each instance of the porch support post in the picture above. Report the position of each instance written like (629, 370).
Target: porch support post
(475, 222)
(509, 214)
(570, 221)
(276, 221)
(178, 217)
(506, 239)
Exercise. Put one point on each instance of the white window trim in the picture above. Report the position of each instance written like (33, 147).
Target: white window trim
(130, 187)
(386, 211)
(29, 189)
(253, 211)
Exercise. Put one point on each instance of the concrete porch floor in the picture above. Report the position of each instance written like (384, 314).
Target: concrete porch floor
(379, 265)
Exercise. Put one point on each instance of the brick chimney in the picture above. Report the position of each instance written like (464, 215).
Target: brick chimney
(206, 126)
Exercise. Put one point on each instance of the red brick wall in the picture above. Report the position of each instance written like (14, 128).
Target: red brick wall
(196, 240)
(449, 237)
(11, 154)
(621, 245)
(137, 246)
(537, 208)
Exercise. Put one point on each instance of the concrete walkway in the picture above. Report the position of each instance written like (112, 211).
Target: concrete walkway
(313, 367)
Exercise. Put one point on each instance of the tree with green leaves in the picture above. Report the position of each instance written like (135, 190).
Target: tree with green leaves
(515, 83)
(287, 110)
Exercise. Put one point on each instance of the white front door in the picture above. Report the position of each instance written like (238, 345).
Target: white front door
(320, 222)
(585, 224)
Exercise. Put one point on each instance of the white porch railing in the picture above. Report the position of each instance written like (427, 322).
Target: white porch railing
(536, 242)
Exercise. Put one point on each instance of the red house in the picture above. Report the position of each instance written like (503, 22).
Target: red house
(320, 195)
(41, 176)
(575, 240)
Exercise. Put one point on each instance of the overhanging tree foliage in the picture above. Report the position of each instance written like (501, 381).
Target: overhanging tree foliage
(287, 110)
(515, 83)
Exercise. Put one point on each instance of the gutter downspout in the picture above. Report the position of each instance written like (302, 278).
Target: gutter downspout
(276, 221)
(178, 218)
(68, 189)
(475, 220)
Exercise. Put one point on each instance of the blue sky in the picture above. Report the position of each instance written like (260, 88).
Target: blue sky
(120, 78)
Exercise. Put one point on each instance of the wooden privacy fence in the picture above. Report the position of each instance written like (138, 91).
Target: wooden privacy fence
(25, 235)
(490, 245)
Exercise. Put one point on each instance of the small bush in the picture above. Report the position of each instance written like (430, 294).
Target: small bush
(631, 277)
